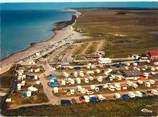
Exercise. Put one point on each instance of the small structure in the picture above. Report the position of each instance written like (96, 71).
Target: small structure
(153, 55)
(64, 102)
(104, 60)
(31, 88)
(51, 76)
(55, 89)
(8, 100)
(26, 93)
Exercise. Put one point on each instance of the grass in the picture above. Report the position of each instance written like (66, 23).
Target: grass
(136, 25)
(6, 78)
(115, 108)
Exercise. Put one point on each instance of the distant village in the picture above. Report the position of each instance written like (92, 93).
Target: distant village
(89, 80)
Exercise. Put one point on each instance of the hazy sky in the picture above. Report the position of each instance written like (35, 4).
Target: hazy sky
(68, 0)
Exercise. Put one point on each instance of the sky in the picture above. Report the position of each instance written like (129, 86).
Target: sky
(12, 6)
(6, 1)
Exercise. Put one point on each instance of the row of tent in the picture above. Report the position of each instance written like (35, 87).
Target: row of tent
(100, 97)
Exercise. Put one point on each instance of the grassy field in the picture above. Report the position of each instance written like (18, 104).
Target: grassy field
(133, 31)
(115, 108)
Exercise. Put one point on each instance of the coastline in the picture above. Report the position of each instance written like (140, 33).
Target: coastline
(59, 35)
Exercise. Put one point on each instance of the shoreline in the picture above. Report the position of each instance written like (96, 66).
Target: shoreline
(59, 35)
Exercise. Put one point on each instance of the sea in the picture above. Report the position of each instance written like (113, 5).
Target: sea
(25, 23)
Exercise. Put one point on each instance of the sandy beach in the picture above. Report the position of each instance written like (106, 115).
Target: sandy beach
(64, 33)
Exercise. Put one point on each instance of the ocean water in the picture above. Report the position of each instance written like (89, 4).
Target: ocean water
(25, 23)
(19, 28)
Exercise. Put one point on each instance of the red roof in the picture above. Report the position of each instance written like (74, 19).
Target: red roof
(142, 78)
(153, 52)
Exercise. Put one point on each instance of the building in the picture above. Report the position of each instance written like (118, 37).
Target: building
(153, 55)
(104, 60)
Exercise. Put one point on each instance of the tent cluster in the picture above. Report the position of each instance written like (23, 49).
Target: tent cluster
(23, 77)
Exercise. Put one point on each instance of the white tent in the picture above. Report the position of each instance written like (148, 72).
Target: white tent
(31, 88)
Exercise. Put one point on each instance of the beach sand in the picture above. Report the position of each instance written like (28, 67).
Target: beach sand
(66, 32)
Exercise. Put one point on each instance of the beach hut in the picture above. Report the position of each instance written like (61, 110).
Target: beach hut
(64, 102)
(55, 89)
(79, 88)
(8, 100)
(88, 66)
(97, 89)
(124, 88)
(75, 74)
(134, 85)
(37, 70)
(30, 77)
(87, 98)
(100, 79)
(35, 77)
(152, 82)
(111, 87)
(113, 72)
(126, 68)
(77, 68)
(26, 93)
(156, 63)
(60, 68)
(63, 82)
(91, 78)
(38, 82)
(97, 71)
(83, 91)
(86, 80)
(66, 75)
(117, 95)
(53, 83)
(81, 98)
(90, 72)
(153, 69)
(117, 86)
(23, 83)
(146, 74)
(131, 94)
(51, 76)
(154, 92)
(81, 74)
(93, 66)
(93, 99)
(78, 80)
(92, 87)
(105, 86)
(19, 85)
(109, 78)
(138, 94)
(117, 65)
(140, 82)
(101, 97)
(125, 97)
(129, 83)
(135, 64)
(72, 81)
(31, 88)
(147, 84)
(72, 91)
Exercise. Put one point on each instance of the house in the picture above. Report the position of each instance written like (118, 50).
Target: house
(153, 55)
(104, 60)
